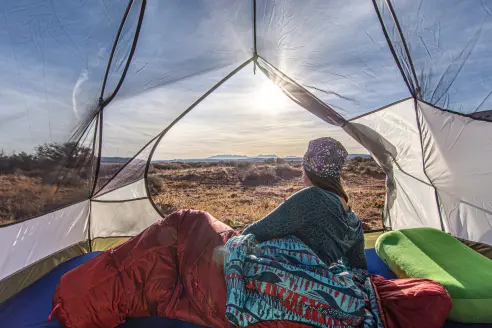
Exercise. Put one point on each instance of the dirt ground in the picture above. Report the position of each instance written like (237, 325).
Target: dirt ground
(239, 193)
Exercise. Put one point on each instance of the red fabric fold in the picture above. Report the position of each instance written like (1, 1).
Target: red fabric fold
(167, 270)
(412, 303)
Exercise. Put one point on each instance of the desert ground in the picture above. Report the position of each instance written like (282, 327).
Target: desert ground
(236, 192)
(239, 193)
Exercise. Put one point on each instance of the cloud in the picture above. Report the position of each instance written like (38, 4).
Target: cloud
(84, 76)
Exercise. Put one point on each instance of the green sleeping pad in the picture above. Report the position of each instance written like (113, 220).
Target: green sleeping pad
(433, 254)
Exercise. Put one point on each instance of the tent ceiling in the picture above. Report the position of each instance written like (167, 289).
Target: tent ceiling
(337, 59)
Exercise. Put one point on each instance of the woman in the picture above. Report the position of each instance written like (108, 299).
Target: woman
(319, 214)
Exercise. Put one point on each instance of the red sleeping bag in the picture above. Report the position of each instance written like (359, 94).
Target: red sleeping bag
(168, 270)
(412, 303)
(155, 273)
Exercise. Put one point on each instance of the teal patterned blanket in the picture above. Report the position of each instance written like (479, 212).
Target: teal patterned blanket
(282, 279)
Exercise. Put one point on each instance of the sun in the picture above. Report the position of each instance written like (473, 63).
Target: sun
(270, 97)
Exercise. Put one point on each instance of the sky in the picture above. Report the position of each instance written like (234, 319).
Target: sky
(54, 54)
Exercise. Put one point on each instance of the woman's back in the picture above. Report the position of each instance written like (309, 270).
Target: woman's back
(318, 218)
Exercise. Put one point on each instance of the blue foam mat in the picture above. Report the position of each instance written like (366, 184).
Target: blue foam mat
(32, 306)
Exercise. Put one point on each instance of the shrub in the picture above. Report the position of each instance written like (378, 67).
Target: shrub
(280, 161)
(166, 209)
(373, 172)
(189, 177)
(166, 166)
(257, 176)
(242, 164)
(72, 179)
(286, 172)
(155, 184)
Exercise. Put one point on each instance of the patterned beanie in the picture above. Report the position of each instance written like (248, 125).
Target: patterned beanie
(325, 158)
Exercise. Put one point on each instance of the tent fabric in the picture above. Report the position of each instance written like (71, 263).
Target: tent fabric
(131, 191)
(35, 239)
(442, 50)
(33, 247)
(295, 37)
(105, 243)
(459, 167)
(120, 173)
(29, 275)
(89, 90)
(116, 219)
(410, 200)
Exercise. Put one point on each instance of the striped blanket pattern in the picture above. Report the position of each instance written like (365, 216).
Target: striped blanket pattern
(282, 279)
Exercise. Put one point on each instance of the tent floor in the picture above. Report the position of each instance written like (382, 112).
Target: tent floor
(31, 307)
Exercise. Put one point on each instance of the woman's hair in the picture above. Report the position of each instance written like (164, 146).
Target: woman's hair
(328, 184)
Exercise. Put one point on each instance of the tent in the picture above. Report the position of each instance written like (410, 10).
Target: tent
(96, 87)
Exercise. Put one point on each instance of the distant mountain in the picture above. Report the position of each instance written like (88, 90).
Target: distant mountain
(266, 156)
(293, 158)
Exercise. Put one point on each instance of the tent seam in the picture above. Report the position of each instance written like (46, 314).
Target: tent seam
(436, 195)
(392, 49)
(93, 174)
(255, 48)
(121, 169)
(176, 120)
(380, 109)
(118, 201)
(310, 94)
(89, 239)
(405, 46)
(254, 29)
(99, 154)
(130, 56)
(470, 116)
(113, 50)
(104, 103)
(38, 216)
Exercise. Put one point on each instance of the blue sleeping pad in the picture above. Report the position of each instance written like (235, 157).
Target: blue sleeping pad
(32, 306)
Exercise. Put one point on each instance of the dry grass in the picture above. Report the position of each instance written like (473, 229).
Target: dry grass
(22, 197)
(239, 193)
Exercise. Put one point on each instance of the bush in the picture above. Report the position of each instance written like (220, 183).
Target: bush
(373, 172)
(189, 177)
(280, 161)
(155, 185)
(64, 163)
(286, 172)
(242, 164)
(167, 166)
(166, 209)
(257, 176)
(365, 166)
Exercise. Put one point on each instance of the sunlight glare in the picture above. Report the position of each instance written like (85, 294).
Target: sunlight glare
(269, 97)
